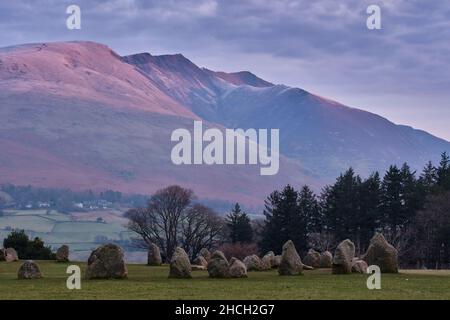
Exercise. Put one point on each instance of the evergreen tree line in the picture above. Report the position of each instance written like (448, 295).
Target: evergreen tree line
(412, 210)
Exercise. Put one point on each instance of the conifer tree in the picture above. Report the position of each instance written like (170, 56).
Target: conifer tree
(238, 222)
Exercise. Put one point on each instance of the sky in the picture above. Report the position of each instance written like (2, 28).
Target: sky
(324, 46)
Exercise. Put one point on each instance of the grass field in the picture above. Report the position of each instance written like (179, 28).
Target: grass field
(152, 283)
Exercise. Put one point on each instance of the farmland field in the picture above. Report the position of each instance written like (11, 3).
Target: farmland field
(80, 230)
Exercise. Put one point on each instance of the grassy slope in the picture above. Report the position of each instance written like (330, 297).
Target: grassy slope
(152, 283)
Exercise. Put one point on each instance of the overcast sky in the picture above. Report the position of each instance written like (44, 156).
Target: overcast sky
(400, 72)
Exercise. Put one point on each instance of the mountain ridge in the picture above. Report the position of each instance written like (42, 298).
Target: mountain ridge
(79, 114)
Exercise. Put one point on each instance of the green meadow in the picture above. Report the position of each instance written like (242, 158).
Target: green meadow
(146, 282)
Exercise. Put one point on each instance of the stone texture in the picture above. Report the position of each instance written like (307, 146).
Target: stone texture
(359, 266)
(11, 255)
(106, 262)
(253, 263)
(218, 266)
(276, 261)
(290, 264)
(382, 254)
(312, 258)
(154, 255)
(237, 269)
(343, 256)
(29, 270)
(267, 260)
(326, 259)
(180, 266)
(62, 254)
(201, 261)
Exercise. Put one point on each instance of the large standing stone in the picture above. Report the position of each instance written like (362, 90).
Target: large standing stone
(106, 262)
(62, 254)
(29, 270)
(290, 264)
(180, 267)
(205, 254)
(326, 259)
(253, 263)
(154, 255)
(382, 254)
(237, 269)
(200, 261)
(343, 256)
(267, 260)
(312, 258)
(218, 265)
(359, 266)
(11, 255)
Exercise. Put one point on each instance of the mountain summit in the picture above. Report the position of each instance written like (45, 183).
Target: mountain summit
(76, 114)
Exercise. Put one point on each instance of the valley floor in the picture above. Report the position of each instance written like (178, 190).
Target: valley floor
(152, 283)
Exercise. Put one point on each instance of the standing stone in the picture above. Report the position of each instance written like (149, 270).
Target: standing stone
(312, 258)
(11, 255)
(205, 254)
(218, 265)
(290, 264)
(154, 255)
(29, 270)
(276, 261)
(267, 260)
(180, 266)
(382, 254)
(359, 266)
(106, 262)
(62, 254)
(237, 269)
(326, 259)
(343, 256)
(2, 255)
(253, 263)
(200, 261)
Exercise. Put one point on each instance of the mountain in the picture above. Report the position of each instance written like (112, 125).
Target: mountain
(76, 114)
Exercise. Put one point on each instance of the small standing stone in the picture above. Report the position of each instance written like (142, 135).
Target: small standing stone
(154, 255)
(62, 254)
(237, 269)
(290, 264)
(312, 258)
(218, 265)
(326, 259)
(106, 262)
(11, 255)
(342, 260)
(29, 270)
(382, 254)
(180, 266)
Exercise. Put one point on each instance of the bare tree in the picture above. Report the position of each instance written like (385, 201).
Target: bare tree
(201, 228)
(170, 220)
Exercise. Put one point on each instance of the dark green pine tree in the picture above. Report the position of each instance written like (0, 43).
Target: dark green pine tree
(238, 222)
(340, 205)
(428, 179)
(310, 210)
(283, 221)
(411, 196)
(392, 202)
(443, 173)
(370, 216)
